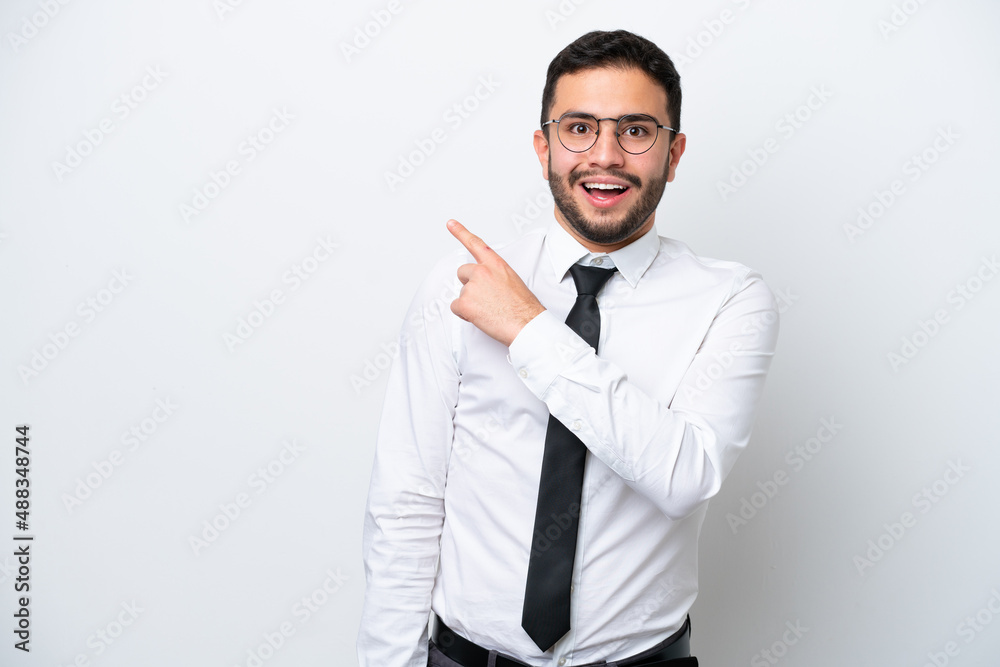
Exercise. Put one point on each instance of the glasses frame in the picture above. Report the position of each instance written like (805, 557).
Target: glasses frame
(597, 134)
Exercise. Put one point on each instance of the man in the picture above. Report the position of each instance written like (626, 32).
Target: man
(542, 499)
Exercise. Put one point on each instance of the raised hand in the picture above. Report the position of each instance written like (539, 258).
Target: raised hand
(493, 297)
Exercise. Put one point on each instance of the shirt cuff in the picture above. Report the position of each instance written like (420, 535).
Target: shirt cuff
(543, 349)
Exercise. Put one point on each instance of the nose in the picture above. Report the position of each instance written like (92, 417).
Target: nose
(606, 151)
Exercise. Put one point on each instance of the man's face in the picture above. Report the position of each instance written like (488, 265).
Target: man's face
(606, 219)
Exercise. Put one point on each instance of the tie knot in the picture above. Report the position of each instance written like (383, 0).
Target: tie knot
(590, 279)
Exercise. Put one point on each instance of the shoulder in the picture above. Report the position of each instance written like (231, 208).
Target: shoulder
(522, 249)
(440, 285)
(518, 253)
(729, 277)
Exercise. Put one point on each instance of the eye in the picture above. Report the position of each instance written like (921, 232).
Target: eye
(635, 132)
(637, 128)
(579, 128)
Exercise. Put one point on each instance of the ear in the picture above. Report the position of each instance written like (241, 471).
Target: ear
(674, 156)
(542, 150)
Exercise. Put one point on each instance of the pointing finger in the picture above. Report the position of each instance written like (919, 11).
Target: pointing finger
(475, 245)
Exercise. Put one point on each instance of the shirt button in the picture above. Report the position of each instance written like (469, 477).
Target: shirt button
(598, 261)
(576, 425)
(562, 661)
(523, 372)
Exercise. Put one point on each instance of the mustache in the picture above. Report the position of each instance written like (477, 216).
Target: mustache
(631, 179)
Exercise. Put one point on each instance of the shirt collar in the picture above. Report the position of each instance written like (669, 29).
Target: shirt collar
(632, 261)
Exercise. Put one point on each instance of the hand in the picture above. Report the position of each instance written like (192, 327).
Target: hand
(493, 297)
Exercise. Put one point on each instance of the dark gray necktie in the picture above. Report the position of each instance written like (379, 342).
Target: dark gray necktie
(545, 616)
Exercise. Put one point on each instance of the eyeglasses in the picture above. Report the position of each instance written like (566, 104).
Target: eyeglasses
(636, 132)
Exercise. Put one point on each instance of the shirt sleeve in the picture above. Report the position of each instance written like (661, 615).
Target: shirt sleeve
(405, 510)
(674, 453)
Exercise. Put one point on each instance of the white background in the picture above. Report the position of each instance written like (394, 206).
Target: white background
(895, 78)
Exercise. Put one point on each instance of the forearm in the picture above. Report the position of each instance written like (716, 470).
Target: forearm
(401, 541)
(405, 510)
(402, 534)
(674, 448)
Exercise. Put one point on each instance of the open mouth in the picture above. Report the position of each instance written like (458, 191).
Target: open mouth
(604, 194)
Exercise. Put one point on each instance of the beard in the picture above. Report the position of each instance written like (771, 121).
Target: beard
(606, 227)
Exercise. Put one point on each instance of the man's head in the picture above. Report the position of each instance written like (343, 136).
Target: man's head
(621, 50)
(605, 195)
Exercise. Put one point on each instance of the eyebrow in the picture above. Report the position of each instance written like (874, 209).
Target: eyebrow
(632, 113)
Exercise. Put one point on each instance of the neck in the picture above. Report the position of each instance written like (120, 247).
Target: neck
(604, 247)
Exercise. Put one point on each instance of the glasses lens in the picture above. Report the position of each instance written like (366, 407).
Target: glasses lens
(636, 133)
(577, 131)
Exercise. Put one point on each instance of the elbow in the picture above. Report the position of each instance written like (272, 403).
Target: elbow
(680, 507)
(695, 476)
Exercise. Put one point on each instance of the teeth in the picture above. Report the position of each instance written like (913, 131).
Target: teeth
(603, 186)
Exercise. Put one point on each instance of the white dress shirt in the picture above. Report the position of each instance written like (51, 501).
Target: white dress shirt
(664, 408)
